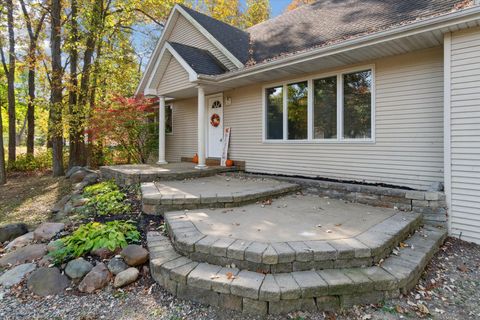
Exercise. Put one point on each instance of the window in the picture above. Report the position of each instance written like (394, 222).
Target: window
(325, 108)
(275, 113)
(335, 108)
(169, 119)
(297, 104)
(357, 101)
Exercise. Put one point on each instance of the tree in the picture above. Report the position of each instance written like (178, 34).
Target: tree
(257, 11)
(3, 176)
(55, 114)
(224, 10)
(298, 3)
(33, 34)
(10, 72)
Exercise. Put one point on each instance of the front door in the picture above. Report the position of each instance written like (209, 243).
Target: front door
(215, 126)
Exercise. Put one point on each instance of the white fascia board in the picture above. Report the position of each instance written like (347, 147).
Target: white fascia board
(211, 38)
(437, 23)
(192, 75)
(155, 55)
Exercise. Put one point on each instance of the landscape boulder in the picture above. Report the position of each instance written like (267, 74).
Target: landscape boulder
(19, 242)
(134, 255)
(24, 255)
(91, 178)
(102, 253)
(47, 281)
(78, 175)
(96, 279)
(47, 230)
(60, 204)
(77, 268)
(54, 245)
(125, 277)
(116, 265)
(72, 170)
(12, 231)
(14, 276)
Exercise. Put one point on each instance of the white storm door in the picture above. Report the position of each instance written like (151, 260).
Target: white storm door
(215, 126)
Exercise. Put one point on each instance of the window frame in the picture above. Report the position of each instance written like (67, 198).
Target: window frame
(310, 108)
(171, 107)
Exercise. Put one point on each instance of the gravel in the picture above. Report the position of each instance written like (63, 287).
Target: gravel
(449, 289)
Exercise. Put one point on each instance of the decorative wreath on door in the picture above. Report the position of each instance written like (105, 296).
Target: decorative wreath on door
(215, 120)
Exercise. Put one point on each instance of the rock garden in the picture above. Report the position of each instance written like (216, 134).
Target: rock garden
(95, 240)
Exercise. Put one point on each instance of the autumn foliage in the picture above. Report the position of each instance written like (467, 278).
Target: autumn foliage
(123, 123)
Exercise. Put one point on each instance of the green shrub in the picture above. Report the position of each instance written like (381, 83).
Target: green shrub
(94, 235)
(99, 188)
(24, 162)
(105, 198)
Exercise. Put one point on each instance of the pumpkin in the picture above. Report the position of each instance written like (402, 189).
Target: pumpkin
(229, 163)
(195, 158)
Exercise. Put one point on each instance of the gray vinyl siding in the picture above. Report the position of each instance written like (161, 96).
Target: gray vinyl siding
(465, 135)
(186, 33)
(175, 78)
(408, 150)
(183, 141)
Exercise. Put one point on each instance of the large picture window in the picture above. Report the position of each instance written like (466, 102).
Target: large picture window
(357, 102)
(275, 113)
(325, 108)
(297, 110)
(340, 108)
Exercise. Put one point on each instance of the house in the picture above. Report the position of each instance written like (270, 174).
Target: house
(382, 92)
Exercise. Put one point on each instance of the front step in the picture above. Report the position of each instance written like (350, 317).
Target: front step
(362, 250)
(210, 192)
(257, 293)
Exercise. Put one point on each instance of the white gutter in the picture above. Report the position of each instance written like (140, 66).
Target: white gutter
(431, 24)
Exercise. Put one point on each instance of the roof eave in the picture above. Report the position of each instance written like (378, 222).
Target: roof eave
(436, 23)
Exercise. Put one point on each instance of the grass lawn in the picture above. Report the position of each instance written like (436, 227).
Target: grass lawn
(27, 197)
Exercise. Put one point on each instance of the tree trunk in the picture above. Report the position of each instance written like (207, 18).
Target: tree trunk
(75, 154)
(32, 60)
(3, 175)
(11, 84)
(55, 114)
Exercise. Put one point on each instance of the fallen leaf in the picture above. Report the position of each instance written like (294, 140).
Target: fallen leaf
(423, 308)
(399, 309)
(462, 268)
(230, 276)
(338, 225)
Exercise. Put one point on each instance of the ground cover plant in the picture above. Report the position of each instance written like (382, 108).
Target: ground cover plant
(106, 198)
(95, 235)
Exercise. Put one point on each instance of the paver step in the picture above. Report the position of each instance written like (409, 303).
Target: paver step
(259, 293)
(130, 174)
(210, 192)
(364, 249)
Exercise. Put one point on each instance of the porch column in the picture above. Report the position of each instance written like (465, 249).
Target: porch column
(161, 131)
(201, 129)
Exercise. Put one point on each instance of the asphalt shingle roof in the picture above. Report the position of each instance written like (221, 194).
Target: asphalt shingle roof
(320, 24)
(328, 21)
(233, 39)
(201, 61)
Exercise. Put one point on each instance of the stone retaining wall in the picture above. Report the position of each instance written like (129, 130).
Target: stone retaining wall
(431, 203)
(363, 250)
(257, 293)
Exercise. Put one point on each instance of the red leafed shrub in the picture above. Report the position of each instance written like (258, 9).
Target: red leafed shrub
(125, 123)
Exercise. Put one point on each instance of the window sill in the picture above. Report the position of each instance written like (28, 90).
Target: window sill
(350, 141)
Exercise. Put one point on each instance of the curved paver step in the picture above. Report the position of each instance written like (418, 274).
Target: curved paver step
(210, 192)
(364, 249)
(259, 293)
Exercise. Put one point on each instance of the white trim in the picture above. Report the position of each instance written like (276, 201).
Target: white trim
(154, 55)
(436, 23)
(447, 153)
(192, 75)
(211, 38)
(310, 138)
(207, 120)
